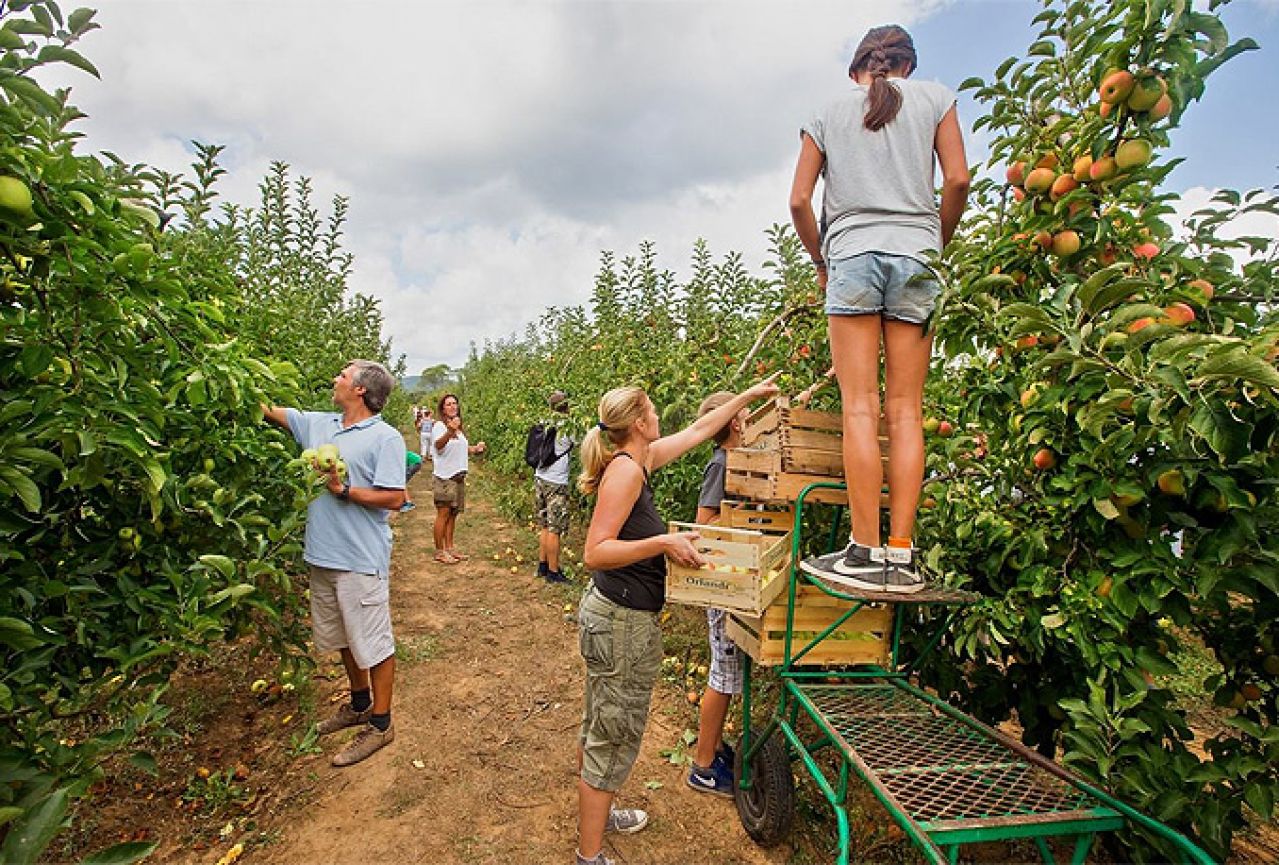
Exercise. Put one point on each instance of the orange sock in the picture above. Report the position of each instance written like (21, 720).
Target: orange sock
(898, 542)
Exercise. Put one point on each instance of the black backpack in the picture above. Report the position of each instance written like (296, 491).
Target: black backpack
(539, 447)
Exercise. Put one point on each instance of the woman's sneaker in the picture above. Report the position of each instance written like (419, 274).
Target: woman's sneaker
(855, 565)
(624, 821)
(901, 575)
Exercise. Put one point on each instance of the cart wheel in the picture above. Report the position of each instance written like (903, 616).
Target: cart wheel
(767, 809)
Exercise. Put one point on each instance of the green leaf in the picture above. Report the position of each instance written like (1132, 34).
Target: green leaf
(32, 94)
(155, 474)
(25, 488)
(1106, 508)
(38, 456)
(9, 812)
(221, 564)
(1237, 365)
(1211, 28)
(1226, 435)
(1260, 800)
(231, 592)
(1052, 621)
(17, 633)
(10, 41)
(144, 761)
(30, 834)
(17, 408)
(56, 53)
(78, 21)
(122, 854)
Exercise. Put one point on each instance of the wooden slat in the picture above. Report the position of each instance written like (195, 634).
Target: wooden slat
(760, 516)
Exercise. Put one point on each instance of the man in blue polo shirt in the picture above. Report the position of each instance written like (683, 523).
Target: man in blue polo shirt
(348, 546)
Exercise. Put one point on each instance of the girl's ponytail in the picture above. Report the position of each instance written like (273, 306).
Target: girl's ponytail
(883, 50)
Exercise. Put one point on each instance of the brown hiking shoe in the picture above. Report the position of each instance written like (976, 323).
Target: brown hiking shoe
(345, 717)
(367, 741)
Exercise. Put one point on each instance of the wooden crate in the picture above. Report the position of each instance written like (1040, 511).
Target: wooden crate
(810, 442)
(866, 638)
(759, 475)
(745, 572)
(774, 517)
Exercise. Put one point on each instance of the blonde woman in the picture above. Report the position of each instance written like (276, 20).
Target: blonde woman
(626, 549)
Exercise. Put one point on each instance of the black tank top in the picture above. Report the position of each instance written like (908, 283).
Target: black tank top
(640, 585)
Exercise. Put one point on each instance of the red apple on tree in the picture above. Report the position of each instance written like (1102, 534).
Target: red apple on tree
(1044, 459)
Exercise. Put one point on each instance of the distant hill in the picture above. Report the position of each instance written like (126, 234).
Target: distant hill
(410, 382)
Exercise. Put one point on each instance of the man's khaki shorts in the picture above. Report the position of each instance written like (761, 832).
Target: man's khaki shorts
(552, 505)
(623, 650)
(450, 492)
(352, 611)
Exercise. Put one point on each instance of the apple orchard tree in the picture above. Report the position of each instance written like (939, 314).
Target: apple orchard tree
(147, 513)
(1111, 374)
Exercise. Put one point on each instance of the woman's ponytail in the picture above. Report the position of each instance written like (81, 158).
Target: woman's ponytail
(618, 409)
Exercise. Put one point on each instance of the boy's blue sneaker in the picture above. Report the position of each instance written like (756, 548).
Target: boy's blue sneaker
(724, 759)
(711, 780)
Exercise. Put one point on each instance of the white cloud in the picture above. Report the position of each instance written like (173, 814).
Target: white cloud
(490, 148)
(1254, 224)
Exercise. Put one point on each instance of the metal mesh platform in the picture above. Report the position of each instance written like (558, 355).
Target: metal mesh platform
(943, 773)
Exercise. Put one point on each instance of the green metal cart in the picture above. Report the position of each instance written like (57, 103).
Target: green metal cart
(946, 779)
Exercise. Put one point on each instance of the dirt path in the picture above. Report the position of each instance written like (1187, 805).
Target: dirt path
(488, 699)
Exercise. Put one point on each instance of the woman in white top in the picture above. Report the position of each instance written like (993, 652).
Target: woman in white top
(876, 149)
(452, 459)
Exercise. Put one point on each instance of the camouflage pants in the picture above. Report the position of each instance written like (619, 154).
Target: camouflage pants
(551, 505)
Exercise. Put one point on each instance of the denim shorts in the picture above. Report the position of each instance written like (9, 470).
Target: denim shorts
(879, 283)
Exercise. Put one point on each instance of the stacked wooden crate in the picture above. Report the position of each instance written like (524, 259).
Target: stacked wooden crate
(784, 449)
(787, 447)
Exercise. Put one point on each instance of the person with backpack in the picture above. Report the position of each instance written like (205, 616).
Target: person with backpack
(547, 451)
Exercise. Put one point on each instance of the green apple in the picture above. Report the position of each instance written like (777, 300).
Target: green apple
(1134, 153)
(15, 197)
(326, 457)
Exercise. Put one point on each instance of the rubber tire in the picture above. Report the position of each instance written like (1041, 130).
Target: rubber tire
(767, 809)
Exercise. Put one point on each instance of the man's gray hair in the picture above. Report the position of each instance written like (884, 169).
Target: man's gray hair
(376, 380)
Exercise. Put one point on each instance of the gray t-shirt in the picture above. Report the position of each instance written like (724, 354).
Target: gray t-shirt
(712, 492)
(340, 534)
(879, 194)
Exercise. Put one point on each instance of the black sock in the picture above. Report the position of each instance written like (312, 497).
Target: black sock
(382, 722)
(542, 569)
(361, 700)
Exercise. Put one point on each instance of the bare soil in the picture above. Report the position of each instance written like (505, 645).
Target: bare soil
(483, 766)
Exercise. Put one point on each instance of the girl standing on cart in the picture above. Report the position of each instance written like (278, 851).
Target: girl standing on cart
(876, 148)
(626, 548)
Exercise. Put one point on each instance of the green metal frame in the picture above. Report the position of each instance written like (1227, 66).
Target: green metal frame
(939, 844)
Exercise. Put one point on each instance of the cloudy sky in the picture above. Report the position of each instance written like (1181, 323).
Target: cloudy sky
(492, 148)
